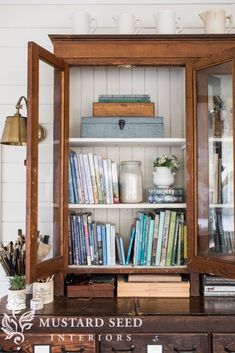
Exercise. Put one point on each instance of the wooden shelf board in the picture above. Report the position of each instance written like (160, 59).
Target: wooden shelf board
(128, 205)
(79, 142)
(126, 269)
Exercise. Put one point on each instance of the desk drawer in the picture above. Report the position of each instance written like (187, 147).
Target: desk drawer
(223, 342)
(52, 343)
(167, 343)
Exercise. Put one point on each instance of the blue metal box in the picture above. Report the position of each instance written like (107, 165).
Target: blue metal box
(122, 127)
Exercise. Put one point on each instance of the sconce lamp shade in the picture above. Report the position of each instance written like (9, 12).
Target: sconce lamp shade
(15, 129)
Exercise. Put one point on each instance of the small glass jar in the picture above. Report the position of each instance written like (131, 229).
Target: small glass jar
(131, 182)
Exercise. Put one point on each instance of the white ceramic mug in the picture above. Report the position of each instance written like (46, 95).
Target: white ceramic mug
(168, 23)
(127, 23)
(82, 23)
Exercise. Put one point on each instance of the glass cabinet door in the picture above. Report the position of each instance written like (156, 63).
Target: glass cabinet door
(213, 87)
(46, 164)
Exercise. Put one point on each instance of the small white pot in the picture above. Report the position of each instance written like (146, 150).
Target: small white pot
(44, 290)
(16, 299)
(163, 177)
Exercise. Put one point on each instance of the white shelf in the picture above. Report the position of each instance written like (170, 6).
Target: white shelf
(128, 205)
(228, 139)
(221, 205)
(80, 142)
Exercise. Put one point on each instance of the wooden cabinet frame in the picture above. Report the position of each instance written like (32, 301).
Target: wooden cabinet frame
(122, 51)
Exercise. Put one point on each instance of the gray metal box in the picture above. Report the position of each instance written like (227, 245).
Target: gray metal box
(122, 127)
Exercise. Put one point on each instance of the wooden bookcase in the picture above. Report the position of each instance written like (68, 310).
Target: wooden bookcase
(75, 55)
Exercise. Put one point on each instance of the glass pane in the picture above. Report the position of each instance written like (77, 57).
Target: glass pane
(215, 162)
(48, 168)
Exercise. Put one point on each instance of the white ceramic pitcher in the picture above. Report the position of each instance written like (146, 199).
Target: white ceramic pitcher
(168, 23)
(215, 21)
(127, 23)
(82, 23)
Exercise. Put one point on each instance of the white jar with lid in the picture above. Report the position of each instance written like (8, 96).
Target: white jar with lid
(131, 182)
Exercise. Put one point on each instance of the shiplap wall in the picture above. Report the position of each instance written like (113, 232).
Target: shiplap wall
(22, 21)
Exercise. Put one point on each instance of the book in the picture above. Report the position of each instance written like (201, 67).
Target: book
(98, 180)
(88, 178)
(122, 250)
(124, 98)
(160, 237)
(165, 237)
(93, 177)
(165, 199)
(150, 242)
(154, 278)
(115, 187)
(131, 242)
(118, 246)
(166, 191)
(106, 181)
(155, 235)
(170, 242)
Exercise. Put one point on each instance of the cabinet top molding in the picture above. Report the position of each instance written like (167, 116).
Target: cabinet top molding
(137, 50)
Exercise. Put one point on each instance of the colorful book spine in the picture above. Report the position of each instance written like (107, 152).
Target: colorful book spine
(104, 244)
(171, 238)
(99, 243)
(88, 178)
(150, 242)
(131, 242)
(98, 181)
(165, 237)
(159, 239)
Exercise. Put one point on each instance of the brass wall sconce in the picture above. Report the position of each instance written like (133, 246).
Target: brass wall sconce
(15, 129)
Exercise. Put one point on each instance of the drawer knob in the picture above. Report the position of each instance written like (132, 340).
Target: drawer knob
(63, 350)
(226, 348)
(131, 349)
(2, 351)
(176, 349)
(121, 124)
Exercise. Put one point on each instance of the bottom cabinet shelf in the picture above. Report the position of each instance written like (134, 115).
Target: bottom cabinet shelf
(126, 269)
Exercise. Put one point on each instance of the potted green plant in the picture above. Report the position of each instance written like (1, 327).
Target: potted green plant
(165, 166)
(16, 293)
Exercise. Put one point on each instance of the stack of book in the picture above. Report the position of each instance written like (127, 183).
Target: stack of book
(152, 286)
(165, 195)
(92, 180)
(123, 105)
(220, 232)
(213, 286)
(158, 239)
(89, 242)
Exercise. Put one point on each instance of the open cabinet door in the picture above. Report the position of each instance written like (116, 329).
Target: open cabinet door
(210, 128)
(47, 181)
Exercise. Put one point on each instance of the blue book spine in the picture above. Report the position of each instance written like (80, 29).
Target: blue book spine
(122, 250)
(144, 239)
(76, 255)
(150, 243)
(104, 244)
(75, 177)
(79, 245)
(71, 191)
(83, 242)
(90, 236)
(139, 247)
(130, 245)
